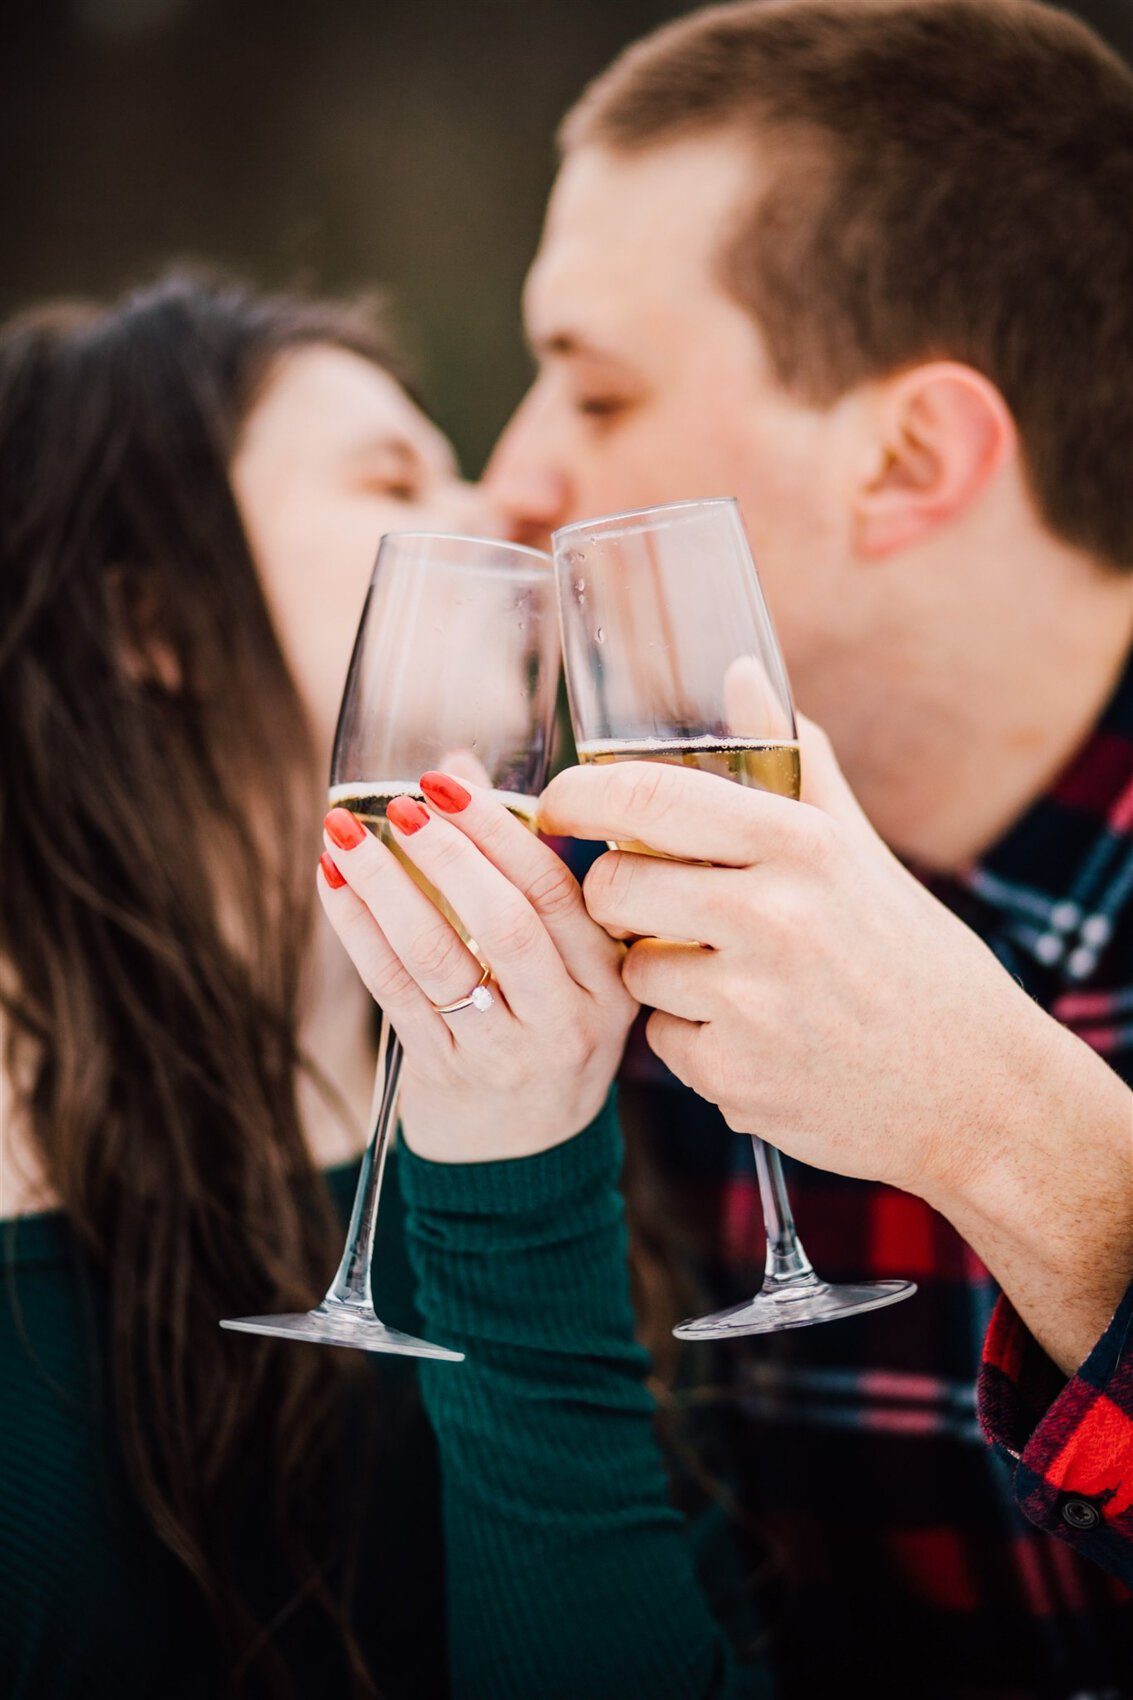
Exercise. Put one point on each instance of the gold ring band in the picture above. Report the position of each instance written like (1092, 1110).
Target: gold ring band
(478, 998)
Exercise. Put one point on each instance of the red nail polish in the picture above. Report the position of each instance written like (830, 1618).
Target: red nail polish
(344, 830)
(445, 793)
(330, 873)
(406, 814)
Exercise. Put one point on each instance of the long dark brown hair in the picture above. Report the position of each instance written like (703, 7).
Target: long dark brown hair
(157, 803)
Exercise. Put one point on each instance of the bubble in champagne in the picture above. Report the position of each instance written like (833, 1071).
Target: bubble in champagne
(600, 634)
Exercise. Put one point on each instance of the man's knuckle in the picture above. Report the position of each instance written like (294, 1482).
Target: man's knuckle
(784, 917)
(643, 789)
(624, 874)
(643, 974)
(596, 888)
(710, 1066)
(655, 1032)
(822, 842)
(633, 974)
(751, 834)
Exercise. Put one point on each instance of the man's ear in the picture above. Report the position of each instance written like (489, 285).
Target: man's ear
(941, 433)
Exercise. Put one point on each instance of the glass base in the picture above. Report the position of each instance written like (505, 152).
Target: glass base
(797, 1303)
(337, 1324)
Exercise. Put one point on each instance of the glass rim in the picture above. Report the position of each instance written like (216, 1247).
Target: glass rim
(527, 549)
(625, 520)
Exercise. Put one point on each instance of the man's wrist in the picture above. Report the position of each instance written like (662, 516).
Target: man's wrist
(1045, 1194)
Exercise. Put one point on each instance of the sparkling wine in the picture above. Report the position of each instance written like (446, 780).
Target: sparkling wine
(767, 765)
(369, 799)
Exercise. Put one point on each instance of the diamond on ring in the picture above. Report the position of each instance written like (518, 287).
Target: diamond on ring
(478, 998)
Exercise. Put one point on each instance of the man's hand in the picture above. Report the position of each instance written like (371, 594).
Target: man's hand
(837, 1007)
(839, 1010)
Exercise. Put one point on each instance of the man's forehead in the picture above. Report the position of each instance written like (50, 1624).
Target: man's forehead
(628, 231)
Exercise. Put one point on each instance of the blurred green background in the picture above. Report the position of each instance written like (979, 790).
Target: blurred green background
(329, 143)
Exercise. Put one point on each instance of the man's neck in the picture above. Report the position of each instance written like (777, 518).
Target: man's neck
(964, 724)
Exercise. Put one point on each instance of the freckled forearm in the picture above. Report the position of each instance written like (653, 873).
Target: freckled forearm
(1049, 1207)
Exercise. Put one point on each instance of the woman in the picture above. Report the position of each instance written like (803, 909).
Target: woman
(193, 484)
(571, 1575)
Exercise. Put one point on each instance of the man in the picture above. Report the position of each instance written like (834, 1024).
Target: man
(869, 266)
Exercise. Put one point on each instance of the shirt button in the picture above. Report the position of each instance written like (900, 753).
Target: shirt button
(1082, 961)
(1080, 1514)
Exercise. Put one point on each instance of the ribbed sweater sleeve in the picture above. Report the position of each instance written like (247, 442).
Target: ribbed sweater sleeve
(569, 1573)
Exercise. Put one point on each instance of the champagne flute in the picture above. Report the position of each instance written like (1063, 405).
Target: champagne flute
(671, 656)
(455, 666)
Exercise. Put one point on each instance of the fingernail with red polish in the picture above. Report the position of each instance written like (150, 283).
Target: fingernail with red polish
(330, 873)
(407, 815)
(344, 830)
(445, 793)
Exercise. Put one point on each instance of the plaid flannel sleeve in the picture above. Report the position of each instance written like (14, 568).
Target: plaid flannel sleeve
(1068, 1443)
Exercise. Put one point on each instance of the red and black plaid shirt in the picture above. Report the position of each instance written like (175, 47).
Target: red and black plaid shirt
(913, 1559)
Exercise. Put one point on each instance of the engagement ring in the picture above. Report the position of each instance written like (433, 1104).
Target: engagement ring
(478, 998)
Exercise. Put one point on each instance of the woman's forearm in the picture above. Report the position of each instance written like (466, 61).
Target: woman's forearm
(569, 1572)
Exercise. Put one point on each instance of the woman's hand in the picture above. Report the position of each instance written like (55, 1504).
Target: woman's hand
(535, 1067)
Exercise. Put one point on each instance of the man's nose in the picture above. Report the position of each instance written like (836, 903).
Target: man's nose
(525, 485)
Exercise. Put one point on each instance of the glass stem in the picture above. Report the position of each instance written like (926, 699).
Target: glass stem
(786, 1259)
(351, 1286)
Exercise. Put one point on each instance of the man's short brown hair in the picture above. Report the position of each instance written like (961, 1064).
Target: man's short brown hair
(949, 179)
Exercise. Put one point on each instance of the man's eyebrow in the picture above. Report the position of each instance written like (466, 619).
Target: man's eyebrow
(567, 343)
(399, 447)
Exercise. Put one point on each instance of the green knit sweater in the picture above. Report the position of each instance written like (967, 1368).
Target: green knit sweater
(570, 1576)
(91, 1604)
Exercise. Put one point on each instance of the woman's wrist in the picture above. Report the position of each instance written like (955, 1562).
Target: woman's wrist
(542, 1107)
(509, 1186)
(525, 1254)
